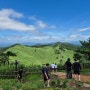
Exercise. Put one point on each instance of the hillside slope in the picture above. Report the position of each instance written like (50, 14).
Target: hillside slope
(39, 55)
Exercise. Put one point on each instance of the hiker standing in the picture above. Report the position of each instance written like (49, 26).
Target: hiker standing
(76, 68)
(55, 68)
(16, 64)
(46, 75)
(68, 66)
(20, 74)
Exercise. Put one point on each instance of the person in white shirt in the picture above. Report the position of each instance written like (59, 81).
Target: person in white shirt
(53, 67)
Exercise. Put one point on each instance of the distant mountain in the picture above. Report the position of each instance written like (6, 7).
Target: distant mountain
(5, 44)
(75, 42)
(36, 44)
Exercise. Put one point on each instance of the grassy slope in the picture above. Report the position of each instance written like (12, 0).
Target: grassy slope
(28, 56)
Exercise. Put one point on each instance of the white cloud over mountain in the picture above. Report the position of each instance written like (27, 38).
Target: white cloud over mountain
(39, 31)
(9, 21)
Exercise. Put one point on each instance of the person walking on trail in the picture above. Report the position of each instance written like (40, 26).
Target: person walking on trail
(76, 68)
(68, 66)
(55, 68)
(46, 75)
(20, 74)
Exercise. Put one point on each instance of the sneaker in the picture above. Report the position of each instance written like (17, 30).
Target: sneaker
(48, 85)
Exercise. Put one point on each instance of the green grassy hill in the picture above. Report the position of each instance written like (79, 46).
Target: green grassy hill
(39, 55)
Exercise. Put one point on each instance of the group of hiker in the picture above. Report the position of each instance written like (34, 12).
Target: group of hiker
(76, 67)
(46, 71)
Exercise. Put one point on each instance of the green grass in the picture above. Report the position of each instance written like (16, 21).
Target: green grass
(35, 82)
(38, 56)
(85, 71)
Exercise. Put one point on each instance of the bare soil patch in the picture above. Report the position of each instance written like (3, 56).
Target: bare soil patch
(84, 78)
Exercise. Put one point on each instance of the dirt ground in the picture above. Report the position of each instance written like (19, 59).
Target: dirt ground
(84, 78)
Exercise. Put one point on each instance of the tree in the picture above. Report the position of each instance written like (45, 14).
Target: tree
(3, 58)
(77, 56)
(57, 51)
(85, 44)
(85, 48)
(10, 53)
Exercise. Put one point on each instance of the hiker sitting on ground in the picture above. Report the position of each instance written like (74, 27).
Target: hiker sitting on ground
(68, 66)
(76, 68)
(46, 75)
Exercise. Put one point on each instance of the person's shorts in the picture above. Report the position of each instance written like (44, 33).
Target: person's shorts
(19, 77)
(53, 68)
(45, 79)
(76, 72)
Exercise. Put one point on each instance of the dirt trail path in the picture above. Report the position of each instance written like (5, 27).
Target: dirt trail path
(62, 75)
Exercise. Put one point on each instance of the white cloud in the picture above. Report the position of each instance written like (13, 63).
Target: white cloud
(53, 26)
(41, 24)
(77, 37)
(8, 21)
(45, 38)
(84, 29)
(32, 18)
(10, 13)
(74, 36)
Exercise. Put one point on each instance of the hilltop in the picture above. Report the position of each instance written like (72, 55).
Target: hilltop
(41, 54)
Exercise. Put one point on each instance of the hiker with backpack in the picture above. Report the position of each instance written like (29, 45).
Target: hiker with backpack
(46, 76)
(68, 67)
(20, 74)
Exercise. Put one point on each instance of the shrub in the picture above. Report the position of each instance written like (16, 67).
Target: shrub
(13, 88)
(53, 83)
(64, 85)
(58, 82)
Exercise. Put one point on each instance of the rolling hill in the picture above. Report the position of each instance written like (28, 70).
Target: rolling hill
(38, 55)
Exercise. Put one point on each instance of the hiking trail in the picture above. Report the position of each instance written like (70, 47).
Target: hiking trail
(84, 78)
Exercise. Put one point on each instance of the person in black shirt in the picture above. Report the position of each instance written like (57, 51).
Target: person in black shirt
(46, 75)
(16, 64)
(68, 66)
(76, 68)
(20, 74)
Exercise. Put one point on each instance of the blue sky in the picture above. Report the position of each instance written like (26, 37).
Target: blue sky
(44, 21)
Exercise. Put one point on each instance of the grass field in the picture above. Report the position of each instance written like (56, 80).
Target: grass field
(38, 56)
(85, 71)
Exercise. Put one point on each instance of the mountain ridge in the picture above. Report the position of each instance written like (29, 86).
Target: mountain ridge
(41, 54)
